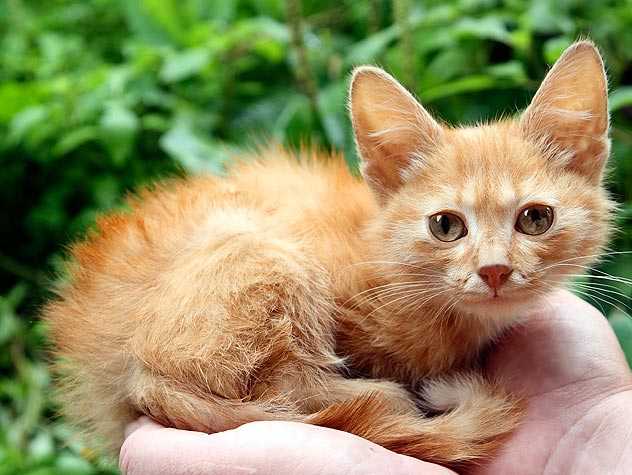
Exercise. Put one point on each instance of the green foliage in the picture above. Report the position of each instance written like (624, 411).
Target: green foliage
(100, 96)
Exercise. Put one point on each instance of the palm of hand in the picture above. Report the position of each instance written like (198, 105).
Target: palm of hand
(569, 367)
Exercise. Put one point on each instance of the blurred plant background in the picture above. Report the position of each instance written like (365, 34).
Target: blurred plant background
(99, 96)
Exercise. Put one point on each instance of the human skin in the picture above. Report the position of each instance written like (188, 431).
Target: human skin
(564, 360)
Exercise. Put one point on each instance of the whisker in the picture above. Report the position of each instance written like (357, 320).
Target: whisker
(588, 256)
(386, 262)
(390, 302)
(372, 289)
(608, 277)
(605, 299)
(610, 293)
(436, 314)
(414, 274)
(427, 299)
(441, 312)
(602, 285)
(398, 291)
(588, 268)
(396, 285)
(586, 295)
(416, 304)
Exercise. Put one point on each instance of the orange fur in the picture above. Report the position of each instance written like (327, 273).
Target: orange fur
(218, 301)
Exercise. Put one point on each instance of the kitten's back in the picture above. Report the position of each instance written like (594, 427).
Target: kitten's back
(193, 273)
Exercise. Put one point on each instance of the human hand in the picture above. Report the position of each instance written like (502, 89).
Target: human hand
(564, 360)
(567, 363)
(264, 448)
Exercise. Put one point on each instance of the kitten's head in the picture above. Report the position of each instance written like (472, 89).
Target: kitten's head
(488, 217)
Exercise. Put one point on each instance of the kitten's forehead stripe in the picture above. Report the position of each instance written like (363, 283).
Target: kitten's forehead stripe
(488, 165)
(469, 193)
(506, 192)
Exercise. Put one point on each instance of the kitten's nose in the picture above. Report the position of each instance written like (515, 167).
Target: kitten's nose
(495, 276)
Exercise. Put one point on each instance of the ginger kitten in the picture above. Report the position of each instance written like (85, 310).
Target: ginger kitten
(219, 301)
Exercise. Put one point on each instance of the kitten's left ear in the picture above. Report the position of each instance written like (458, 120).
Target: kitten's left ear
(568, 117)
(392, 130)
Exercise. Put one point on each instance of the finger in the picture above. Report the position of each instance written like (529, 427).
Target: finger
(262, 448)
(567, 361)
(142, 422)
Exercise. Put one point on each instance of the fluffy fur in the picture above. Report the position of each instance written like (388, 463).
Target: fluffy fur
(215, 301)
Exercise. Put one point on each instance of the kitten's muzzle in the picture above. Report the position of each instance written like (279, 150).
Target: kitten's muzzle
(495, 276)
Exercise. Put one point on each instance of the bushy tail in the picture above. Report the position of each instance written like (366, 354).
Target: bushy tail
(469, 431)
(474, 419)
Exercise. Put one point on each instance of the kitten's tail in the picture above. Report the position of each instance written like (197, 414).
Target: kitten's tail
(480, 417)
(476, 416)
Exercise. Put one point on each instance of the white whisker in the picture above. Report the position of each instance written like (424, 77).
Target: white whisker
(604, 255)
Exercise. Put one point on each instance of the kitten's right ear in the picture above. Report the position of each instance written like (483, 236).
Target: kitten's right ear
(393, 131)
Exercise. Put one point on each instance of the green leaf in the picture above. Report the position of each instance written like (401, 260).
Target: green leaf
(75, 139)
(156, 21)
(622, 326)
(295, 114)
(620, 98)
(17, 96)
(9, 320)
(554, 48)
(446, 65)
(69, 464)
(25, 121)
(192, 151)
(459, 86)
(512, 70)
(490, 27)
(118, 128)
(333, 114)
(549, 17)
(185, 64)
(224, 11)
(368, 50)
(41, 447)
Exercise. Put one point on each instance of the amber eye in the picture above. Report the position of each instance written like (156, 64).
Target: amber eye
(534, 220)
(447, 227)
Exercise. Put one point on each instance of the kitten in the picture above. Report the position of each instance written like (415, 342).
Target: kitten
(219, 301)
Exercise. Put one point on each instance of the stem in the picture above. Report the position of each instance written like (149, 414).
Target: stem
(401, 10)
(303, 70)
(375, 16)
(12, 266)
(33, 405)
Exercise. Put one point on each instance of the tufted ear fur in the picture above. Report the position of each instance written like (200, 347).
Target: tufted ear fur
(393, 131)
(568, 117)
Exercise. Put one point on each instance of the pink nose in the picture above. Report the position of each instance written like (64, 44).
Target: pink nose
(495, 276)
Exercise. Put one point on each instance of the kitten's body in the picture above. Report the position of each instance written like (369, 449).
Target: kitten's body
(218, 301)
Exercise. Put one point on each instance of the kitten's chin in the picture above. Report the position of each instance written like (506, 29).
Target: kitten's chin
(509, 307)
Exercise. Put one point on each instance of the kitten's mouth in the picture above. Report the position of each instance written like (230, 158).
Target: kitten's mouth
(496, 298)
(493, 297)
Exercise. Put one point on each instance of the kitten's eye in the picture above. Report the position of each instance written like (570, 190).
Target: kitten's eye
(534, 220)
(447, 227)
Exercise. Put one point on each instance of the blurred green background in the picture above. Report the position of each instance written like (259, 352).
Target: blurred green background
(99, 96)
